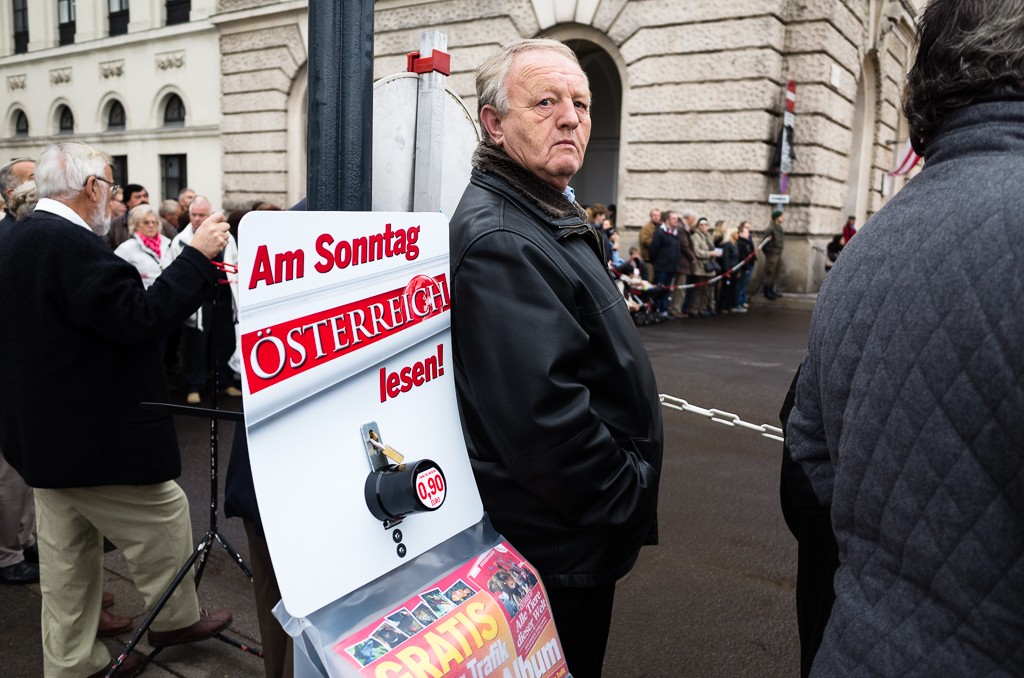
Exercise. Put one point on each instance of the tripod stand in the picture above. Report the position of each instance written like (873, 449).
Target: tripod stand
(213, 534)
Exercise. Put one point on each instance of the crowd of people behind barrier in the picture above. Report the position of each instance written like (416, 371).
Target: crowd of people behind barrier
(681, 268)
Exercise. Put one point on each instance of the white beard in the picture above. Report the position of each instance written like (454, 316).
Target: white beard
(100, 221)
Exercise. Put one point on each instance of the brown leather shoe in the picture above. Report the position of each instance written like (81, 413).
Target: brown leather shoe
(108, 599)
(127, 669)
(113, 624)
(209, 625)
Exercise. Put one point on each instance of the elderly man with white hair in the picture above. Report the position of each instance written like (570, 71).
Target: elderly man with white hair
(79, 316)
(556, 391)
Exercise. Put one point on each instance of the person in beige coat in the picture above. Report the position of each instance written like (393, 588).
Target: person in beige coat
(703, 252)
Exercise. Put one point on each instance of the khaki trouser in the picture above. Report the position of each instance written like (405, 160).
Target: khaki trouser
(17, 515)
(771, 269)
(149, 523)
(675, 304)
(700, 297)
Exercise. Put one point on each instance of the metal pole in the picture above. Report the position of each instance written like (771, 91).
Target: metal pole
(429, 129)
(340, 105)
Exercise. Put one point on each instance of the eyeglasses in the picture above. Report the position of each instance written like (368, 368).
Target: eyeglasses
(114, 188)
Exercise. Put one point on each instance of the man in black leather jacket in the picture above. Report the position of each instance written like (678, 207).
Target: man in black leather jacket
(556, 391)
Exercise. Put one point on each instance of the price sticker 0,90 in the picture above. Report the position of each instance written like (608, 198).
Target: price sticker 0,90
(430, 487)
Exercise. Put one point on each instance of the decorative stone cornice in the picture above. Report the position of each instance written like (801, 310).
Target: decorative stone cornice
(15, 82)
(168, 60)
(112, 69)
(60, 75)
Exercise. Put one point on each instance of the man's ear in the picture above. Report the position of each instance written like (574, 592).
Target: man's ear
(492, 124)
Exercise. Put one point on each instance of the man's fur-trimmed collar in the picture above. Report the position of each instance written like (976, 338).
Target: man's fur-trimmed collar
(492, 159)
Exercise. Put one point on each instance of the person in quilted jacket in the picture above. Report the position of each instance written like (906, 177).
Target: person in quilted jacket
(907, 417)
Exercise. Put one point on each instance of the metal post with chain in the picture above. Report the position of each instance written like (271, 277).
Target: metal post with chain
(721, 417)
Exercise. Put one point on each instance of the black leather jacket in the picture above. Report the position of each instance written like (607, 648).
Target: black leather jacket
(557, 394)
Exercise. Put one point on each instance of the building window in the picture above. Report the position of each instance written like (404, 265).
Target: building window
(178, 11)
(118, 16)
(115, 116)
(174, 112)
(119, 169)
(66, 121)
(173, 175)
(66, 21)
(20, 124)
(20, 26)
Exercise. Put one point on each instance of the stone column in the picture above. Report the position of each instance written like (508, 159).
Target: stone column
(90, 20)
(257, 70)
(42, 25)
(7, 34)
(144, 15)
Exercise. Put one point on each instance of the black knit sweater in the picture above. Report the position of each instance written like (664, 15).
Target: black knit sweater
(79, 342)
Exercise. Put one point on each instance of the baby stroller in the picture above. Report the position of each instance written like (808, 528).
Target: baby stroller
(639, 294)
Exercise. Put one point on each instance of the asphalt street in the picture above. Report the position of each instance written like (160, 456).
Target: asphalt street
(715, 598)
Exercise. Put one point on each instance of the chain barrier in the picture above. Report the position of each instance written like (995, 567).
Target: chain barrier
(721, 417)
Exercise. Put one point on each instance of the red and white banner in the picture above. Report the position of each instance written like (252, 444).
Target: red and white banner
(908, 160)
(278, 352)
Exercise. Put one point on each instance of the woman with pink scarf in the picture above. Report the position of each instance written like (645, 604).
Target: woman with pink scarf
(147, 250)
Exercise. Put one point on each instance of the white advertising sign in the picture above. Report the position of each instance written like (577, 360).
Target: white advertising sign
(345, 330)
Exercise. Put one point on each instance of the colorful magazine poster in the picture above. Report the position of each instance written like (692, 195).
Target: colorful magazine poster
(490, 617)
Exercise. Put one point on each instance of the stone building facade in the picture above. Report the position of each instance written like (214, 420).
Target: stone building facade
(688, 97)
(147, 96)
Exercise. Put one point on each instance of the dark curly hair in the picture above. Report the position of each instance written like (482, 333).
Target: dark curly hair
(968, 50)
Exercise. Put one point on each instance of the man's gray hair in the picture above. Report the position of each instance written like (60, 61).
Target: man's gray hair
(23, 200)
(492, 75)
(7, 178)
(197, 199)
(968, 50)
(64, 168)
(689, 214)
(182, 192)
(168, 207)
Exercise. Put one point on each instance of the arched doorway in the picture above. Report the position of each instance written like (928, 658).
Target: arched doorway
(598, 180)
(858, 178)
